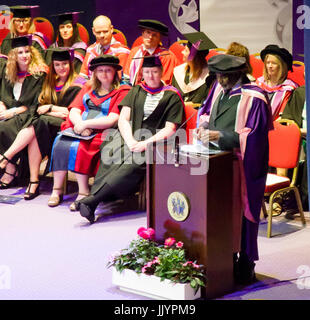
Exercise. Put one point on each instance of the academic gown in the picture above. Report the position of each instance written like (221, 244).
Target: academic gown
(46, 127)
(116, 169)
(82, 156)
(9, 129)
(192, 91)
(252, 122)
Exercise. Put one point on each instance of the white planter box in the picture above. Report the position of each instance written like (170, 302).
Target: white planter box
(152, 287)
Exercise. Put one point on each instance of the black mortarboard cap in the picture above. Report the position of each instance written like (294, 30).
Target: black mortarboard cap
(202, 41)
(21, 41)
(105, 60)
(62, 53)
(25, 11)
(154, 25)
(226, 63)
(68, 17)
(281, 52)
(151, 61)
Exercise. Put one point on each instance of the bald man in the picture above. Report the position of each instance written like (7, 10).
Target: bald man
(105, 44)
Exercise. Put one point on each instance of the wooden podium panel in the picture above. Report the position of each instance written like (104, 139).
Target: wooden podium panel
(207, 231)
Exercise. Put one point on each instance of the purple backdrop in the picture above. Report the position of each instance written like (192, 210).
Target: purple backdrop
(298, 32)
(178, 15)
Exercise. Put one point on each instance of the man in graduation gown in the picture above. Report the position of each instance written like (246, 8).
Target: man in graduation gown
(236, 115)
(152, 30)
(105, 44)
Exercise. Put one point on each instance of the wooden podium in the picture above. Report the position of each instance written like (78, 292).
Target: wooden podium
(207, 231)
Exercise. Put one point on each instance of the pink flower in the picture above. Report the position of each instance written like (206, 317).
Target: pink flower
(143, 269)
(146, 234)
(156, 260)
(187, 263)
(149, 264)
(179, 244)
(169, 242)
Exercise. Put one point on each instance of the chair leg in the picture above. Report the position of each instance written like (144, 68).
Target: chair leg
(269, 226)
(299, 204)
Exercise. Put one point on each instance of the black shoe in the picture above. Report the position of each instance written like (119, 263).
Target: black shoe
(246, 271)
(87, 212)
(31, 195)
(12, 183)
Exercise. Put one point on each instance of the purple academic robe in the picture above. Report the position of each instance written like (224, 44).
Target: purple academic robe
(253, 121)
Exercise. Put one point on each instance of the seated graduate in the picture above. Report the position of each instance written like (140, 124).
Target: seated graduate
(277, 63)
(68, 36)
(190, 78)
(236, 114)
(59, 89)
(150, 112)
(93, 110)
(22, 25)
(21, 85)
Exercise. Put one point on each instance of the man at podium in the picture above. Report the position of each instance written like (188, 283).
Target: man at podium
(236, 116)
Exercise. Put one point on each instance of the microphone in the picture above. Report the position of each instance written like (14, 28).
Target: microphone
(176, 151)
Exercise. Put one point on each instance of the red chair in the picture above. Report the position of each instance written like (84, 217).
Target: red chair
(191, 124)
(119, 36)
(284, 150)
(5, 17)
(212, 52)
(84, 35)
(44, 26)
(257, 65)
(137, 42)
(177, 48)
(298, 73)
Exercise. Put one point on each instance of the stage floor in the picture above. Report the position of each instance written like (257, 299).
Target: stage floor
(54, 254)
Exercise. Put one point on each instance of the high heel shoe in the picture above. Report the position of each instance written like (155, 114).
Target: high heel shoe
(75, 206)
(4, 158)
(31, 195)
(12, 183)
(55, 200)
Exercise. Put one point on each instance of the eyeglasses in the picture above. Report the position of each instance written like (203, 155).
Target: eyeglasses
(19, 21)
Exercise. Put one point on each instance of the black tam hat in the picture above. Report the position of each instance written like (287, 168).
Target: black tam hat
(281, 52)
(105, 60)
(153, 25)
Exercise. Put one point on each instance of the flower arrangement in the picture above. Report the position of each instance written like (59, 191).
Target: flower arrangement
(167, 261)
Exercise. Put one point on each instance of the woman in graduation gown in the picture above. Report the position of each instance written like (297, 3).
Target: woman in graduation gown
(192, 77)
(277, 63)
(21, 85)
(68, 36)
(59, 89)
(152, 106)
(94, 110)
(21, 25)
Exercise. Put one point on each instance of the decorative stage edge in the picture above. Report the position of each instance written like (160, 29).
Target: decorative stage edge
(152, 287)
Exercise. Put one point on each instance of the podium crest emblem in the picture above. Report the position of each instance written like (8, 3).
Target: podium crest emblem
(178, 206)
